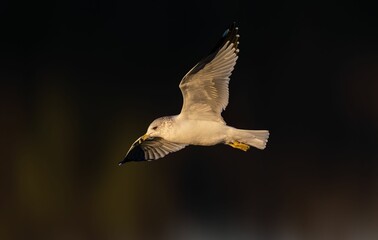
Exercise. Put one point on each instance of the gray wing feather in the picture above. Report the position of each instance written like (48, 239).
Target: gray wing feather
(150, 149)
(158, 147)
(205, 86)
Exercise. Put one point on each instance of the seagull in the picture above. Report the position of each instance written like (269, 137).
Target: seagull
(205, 95)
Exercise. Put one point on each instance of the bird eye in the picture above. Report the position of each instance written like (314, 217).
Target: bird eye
(154, 128)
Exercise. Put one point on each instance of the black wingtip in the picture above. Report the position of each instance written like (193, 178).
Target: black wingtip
(233, 28)
(231, 35)
(125, 160)
(225, 33)
(135, 153)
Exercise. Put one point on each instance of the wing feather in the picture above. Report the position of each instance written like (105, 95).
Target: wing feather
(205, 87)
(151, 149)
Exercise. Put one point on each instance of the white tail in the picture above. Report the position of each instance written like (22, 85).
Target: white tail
(255, 138)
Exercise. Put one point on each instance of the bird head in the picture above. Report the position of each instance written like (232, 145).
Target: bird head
(156, 127)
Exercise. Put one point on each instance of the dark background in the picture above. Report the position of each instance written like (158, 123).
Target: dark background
(81, 80)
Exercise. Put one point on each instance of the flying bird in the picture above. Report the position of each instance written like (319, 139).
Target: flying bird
(205, 95)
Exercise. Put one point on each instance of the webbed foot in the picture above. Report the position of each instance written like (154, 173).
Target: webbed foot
(239, 145)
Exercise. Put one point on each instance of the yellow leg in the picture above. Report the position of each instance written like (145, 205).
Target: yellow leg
(239, 145)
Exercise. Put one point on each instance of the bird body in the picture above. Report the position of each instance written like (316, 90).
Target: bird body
(205, 94)
(195, 132)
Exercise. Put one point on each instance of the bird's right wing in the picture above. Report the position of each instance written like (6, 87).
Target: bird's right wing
(205, 87)
(150, 149)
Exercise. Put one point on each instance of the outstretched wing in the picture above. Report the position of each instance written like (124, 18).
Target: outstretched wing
(150, 149)
(205, 87)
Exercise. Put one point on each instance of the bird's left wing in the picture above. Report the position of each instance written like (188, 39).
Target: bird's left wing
(205, 87)
(150, 149)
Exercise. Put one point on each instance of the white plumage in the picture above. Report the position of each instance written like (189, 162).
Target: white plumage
(205, 94)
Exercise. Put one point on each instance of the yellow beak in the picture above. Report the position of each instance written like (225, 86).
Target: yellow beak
(142, 138)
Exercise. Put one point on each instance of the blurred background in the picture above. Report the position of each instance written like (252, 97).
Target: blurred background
(81, 80)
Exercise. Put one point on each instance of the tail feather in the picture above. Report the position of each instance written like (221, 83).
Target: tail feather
(255, 138)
